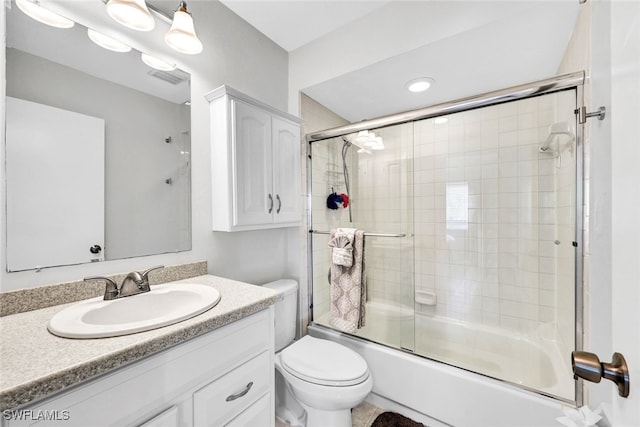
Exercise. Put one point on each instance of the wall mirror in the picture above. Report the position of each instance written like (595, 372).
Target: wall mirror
(97, 150)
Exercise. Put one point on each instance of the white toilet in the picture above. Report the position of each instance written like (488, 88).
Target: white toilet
(317, 381)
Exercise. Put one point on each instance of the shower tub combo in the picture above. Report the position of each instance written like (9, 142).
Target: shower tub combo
(473, 253)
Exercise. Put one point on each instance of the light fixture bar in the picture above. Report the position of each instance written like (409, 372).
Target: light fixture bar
(159, 13)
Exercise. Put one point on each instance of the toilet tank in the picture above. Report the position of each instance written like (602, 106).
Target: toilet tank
(286, 309)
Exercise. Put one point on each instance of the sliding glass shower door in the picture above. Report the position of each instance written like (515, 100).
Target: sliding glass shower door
(472, 223)
(378, 183)
(495, 237)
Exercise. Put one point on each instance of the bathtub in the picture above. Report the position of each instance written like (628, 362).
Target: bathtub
(438, 394)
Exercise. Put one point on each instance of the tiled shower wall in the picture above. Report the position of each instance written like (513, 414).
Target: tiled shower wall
(494, 216)
(489, 219)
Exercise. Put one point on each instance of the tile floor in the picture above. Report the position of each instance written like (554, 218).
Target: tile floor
(362, 415)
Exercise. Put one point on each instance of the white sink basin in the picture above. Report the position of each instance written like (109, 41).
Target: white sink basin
(162, 306)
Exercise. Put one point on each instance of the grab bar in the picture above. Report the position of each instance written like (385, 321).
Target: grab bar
(366, 234)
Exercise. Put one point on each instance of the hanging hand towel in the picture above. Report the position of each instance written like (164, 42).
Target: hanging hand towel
(341, 250)
(348, 284)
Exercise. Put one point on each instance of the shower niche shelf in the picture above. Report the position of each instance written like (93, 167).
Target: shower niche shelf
(255, 159)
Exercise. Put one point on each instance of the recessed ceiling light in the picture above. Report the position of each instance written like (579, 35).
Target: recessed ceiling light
(419, 85)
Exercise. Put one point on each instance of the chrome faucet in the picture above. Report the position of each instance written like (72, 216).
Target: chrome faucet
(134, 283)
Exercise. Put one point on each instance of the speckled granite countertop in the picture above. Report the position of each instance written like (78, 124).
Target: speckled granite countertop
(34, 363)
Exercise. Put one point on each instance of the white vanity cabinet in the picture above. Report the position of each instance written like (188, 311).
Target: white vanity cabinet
(203, 382)
(255, 158)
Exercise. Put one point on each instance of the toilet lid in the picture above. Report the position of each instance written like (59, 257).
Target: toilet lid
(324, 362)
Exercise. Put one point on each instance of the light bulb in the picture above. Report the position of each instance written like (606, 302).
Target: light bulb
(33, 9)
(156, 63)
(182, 35)
(132, 14)
(107, 42)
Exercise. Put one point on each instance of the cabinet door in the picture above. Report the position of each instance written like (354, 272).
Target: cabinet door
(253, 197)
(168, 418)
(286, 171)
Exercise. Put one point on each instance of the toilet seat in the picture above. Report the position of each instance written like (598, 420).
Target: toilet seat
(324, 362)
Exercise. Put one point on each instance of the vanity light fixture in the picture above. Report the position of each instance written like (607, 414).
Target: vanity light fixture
(419, 85)
(132, 14)
(33, 9)
(156, 63)
(107, 42)
(182, 35)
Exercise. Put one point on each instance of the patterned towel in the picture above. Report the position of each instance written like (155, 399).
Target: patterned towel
(348, 284)
(342, 250)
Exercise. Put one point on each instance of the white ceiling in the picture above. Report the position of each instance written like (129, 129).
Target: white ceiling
(487, 45)
(496, 44)
(294, 23)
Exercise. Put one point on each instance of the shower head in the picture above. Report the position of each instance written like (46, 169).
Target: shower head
(560, 128)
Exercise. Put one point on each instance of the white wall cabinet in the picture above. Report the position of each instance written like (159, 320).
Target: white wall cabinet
(255, 156)
(203, 382)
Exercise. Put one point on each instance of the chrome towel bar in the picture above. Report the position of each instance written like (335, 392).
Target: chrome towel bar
(366, 234)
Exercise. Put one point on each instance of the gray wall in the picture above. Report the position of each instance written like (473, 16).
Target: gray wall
(138, 202)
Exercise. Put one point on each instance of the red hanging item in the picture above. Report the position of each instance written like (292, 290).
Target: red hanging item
(345, 200)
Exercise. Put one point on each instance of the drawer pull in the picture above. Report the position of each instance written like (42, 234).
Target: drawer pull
(242, 393)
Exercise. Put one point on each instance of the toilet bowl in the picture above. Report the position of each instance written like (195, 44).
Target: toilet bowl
(326, 378)
(317, 381)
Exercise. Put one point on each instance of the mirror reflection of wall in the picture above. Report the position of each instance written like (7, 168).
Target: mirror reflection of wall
(146, 134)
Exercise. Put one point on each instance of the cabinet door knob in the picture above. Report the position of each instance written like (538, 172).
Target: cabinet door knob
(270, 203)
(233, 397)
(279, 203)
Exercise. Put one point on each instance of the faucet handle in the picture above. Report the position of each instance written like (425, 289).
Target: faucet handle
(111, 290)
(146, 272)
(144, 285)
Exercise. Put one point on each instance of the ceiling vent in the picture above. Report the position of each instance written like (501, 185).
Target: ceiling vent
(174, 77)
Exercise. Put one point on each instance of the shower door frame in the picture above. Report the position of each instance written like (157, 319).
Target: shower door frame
(575, 80)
